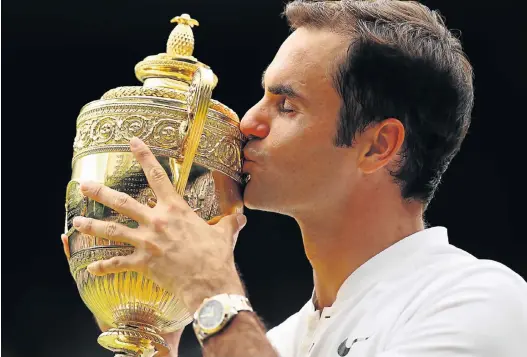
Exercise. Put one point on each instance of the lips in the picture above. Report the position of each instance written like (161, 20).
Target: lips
(247, 155)
(251, 157)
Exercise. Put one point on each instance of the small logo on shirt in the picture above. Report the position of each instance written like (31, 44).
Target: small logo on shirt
(343, 349)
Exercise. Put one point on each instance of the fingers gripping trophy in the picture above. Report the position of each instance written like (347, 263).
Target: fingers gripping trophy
(198, 143)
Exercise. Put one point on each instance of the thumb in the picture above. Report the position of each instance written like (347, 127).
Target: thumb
(232, 224)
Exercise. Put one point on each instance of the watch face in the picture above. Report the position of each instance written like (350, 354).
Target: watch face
(211, 314)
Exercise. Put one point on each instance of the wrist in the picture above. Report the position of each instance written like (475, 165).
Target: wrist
(216, 313)
(226, 282)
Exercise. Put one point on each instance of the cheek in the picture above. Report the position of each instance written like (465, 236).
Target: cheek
(301, 149)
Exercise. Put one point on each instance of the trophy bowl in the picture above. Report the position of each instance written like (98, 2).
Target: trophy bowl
(197, 141)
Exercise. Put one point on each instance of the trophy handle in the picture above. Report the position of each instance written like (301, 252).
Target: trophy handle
(198, 101)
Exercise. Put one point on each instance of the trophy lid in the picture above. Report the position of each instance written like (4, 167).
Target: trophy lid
(175, 68)
(168, 75)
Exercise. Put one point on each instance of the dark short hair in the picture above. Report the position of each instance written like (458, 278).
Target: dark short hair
(402, 62)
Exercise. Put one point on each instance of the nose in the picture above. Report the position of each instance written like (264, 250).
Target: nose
(255, 123)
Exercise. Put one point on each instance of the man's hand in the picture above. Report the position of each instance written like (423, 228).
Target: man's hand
(179, 251)
(173, 245)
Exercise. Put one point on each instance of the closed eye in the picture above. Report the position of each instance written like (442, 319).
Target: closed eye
(284, 106)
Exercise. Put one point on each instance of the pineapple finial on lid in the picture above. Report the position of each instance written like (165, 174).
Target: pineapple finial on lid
(181, 40)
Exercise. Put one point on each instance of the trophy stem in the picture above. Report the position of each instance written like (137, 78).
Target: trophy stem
(134, 341)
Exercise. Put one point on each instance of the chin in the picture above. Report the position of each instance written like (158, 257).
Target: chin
(258, 199)
(251, 198)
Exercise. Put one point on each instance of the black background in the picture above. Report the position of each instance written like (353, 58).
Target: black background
(58, 55)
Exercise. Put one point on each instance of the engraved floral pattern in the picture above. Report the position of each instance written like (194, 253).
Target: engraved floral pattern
(166, 133)
(109, 128)
(228, 155)
(134, 125)
(103, 130)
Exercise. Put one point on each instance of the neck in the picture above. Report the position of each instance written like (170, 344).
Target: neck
(339, 239)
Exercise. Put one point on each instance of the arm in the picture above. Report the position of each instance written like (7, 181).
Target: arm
(244, 336)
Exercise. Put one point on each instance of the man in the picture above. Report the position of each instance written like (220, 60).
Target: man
(379, 94)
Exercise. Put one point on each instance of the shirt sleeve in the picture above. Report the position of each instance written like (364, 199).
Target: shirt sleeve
(484, 315)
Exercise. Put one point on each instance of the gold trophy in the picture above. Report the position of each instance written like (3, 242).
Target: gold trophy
(197, 141)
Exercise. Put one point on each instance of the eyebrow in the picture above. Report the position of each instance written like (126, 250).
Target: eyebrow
(281, 89)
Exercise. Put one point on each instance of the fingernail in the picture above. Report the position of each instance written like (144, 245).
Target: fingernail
(89, 268)
(85, 185)
(242, 220)
(77, 221)
(134, 142)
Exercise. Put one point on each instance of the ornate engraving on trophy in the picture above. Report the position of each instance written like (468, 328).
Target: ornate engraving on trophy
(100, 129)
(208, 176)
(201, 195)
(76, 204)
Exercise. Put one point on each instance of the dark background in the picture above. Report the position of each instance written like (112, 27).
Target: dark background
(58, 55)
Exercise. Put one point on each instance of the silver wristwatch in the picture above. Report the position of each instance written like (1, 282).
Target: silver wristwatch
(216, 312)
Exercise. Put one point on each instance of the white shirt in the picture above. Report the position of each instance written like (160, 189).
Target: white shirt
(421, 297)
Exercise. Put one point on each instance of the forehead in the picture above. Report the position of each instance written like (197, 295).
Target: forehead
(307, 57)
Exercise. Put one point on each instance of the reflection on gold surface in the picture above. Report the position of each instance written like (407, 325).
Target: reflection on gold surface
(198, 143)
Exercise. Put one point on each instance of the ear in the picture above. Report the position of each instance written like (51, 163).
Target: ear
(382, 143)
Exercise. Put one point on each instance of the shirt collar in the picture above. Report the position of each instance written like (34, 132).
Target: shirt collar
(396, 257)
